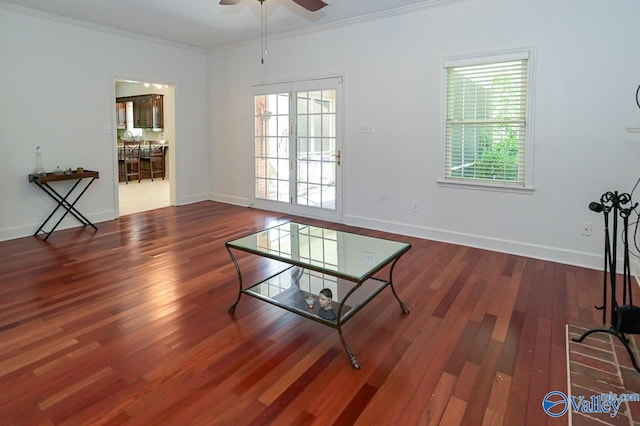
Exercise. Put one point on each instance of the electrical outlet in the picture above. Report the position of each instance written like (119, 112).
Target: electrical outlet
(586, 229)
(415, 206)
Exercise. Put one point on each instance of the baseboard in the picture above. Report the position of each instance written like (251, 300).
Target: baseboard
(68, 223)
(17, 232)
(190, 199)
(553, 254)
(230, 199)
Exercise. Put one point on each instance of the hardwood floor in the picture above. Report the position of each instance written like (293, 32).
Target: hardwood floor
(130, 324)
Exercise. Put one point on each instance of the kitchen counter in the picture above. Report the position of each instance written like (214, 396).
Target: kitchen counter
(143, 141)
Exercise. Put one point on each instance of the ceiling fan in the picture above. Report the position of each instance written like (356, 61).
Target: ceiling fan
(311, 5)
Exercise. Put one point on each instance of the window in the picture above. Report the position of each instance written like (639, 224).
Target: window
(486, 128)
(135, 132)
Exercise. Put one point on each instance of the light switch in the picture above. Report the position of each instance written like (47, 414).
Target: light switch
(367, 128)
(107, 129)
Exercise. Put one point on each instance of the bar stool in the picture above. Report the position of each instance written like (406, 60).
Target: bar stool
(156, 158)
(131, 157)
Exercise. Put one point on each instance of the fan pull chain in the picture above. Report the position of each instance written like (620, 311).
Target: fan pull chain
(263, 33)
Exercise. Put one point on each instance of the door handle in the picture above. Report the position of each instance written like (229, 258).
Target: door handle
(338, 156)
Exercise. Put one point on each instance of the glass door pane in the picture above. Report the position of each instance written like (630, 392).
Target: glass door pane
(316, 157)
(272, 162)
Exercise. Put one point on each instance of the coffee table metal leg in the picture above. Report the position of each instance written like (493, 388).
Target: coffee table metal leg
(232, 308)
(402, 305)
(352, 357)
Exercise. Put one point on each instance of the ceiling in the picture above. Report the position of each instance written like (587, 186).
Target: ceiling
(204, 24)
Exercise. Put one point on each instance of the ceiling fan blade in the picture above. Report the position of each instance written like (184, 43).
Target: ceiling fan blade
(311, 5)
(229, 2)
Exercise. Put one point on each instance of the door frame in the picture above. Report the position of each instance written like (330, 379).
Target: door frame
(169, 112)
(291, 87)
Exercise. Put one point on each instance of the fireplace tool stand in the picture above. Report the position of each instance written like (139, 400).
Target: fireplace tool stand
(625, 318)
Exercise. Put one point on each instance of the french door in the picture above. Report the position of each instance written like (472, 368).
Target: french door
(298, 148)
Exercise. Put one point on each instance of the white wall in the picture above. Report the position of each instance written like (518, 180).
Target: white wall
(586, 74)
(58, 92)
(58, 89)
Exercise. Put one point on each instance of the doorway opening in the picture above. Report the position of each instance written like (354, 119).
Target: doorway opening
(145, 119)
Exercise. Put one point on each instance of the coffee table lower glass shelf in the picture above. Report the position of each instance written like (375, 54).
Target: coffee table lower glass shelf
(290, 288)
(299, 287)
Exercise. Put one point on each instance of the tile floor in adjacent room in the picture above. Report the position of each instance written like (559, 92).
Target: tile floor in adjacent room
(600, 364)
(144, 195)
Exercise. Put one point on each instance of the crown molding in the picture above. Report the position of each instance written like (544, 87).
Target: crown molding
(313, 29)
(343, 23)
(96, 27)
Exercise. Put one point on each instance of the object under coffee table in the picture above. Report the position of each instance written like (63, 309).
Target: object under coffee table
(320, 258)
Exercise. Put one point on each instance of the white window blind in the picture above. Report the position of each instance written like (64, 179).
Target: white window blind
(486, 118)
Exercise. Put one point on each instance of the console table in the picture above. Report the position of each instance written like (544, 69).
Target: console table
(318, 259)
(67, 202)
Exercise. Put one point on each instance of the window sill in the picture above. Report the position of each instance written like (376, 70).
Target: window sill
(485, 186)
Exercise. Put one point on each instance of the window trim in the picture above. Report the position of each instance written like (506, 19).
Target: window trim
(497, 56)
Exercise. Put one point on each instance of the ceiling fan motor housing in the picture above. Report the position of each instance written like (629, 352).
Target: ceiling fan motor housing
(311, 5)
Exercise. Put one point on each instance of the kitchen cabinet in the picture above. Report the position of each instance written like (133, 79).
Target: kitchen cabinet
(157, 108)
(148, 111)
(121, 115)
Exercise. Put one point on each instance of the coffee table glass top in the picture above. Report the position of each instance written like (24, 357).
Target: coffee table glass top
(351, 256)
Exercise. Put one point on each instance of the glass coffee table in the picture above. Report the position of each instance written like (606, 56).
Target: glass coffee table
(329, 274)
